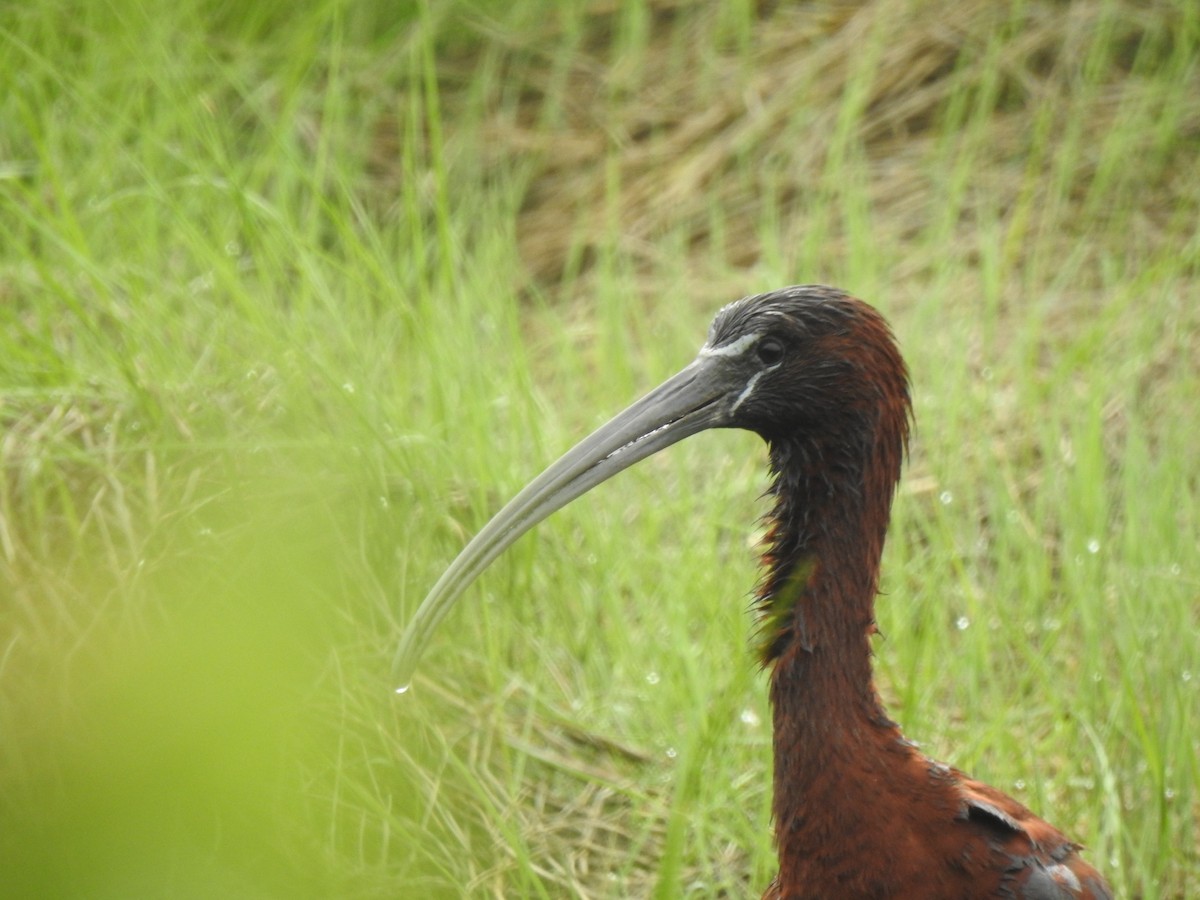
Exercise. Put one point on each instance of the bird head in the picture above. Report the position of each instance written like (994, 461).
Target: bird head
(806, 363)
(806, 367)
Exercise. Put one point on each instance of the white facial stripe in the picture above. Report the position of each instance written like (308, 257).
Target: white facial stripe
(749, 387)
(733, 348)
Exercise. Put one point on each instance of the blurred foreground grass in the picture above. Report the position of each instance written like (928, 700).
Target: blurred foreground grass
(163, 754)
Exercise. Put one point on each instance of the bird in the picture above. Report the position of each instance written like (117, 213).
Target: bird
(859, 811)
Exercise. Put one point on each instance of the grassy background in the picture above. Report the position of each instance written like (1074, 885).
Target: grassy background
(294, 295)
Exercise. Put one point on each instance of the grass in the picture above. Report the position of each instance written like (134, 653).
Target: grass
(295, 296)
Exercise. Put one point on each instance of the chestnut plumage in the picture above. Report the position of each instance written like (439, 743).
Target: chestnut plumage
(859, 811)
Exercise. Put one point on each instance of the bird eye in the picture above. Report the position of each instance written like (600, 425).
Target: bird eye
(769, 351)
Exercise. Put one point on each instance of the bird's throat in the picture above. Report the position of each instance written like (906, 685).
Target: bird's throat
(821, 564)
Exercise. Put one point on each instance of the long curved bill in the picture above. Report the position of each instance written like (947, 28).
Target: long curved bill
(693, 400)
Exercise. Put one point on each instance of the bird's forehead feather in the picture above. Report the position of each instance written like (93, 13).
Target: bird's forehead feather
(740, 319)
(754, 315)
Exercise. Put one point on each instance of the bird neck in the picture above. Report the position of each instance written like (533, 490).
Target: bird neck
(816, 603)
(816, 599)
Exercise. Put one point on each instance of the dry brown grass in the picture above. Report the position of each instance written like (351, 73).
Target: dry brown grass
(624, 148)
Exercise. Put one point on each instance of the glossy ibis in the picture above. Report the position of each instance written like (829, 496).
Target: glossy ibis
(858, 810)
